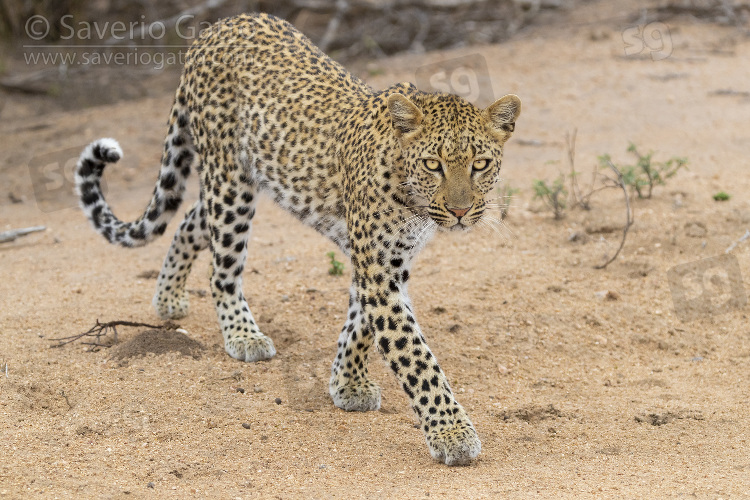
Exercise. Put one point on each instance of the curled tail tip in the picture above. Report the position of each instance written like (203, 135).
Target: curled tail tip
(91, 163)
(95, 157)
(99, 153)
(106, 150)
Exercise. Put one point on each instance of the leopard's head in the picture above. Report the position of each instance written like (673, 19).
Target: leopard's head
(452, 152)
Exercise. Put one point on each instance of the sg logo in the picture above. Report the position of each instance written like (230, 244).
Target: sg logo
(653, 37)
(53, 178)
(467, 77)
(707, 287)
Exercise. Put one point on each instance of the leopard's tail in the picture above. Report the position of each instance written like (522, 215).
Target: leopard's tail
(176, 162)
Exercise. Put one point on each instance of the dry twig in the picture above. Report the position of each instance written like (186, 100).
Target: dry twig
(742, 238)
(619, 182)
(580, 198)
(16, 233)
(102, 330)
(342, 6)
(62, 393)
(575, 190)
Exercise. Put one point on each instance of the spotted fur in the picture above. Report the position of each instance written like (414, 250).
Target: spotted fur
(261, 109)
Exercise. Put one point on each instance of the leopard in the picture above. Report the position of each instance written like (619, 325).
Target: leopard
(260, 110)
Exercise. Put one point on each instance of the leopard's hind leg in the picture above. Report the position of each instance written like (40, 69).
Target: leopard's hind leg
(171, 300)
(230, 208)
(350, 385)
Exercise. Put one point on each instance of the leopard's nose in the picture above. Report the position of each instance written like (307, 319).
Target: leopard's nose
(458, 212)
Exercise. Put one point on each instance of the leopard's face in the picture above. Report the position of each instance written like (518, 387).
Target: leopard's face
(452, 153)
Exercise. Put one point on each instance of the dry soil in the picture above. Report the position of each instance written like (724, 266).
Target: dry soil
(582, 383)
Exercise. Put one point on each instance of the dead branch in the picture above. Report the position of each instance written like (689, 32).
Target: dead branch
(100, 330)
(17, 233)
(30, 83)
(342, 6)
(619, 182)
(67, 400)
(575, 190)
(742, 238)
(580, 198)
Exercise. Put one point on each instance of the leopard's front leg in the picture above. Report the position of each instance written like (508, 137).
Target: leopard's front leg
(230, 208)
(450, 435)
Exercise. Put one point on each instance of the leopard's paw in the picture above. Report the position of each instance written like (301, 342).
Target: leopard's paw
(457, 444)
(359, 396)
(171, 306)
(250, 348)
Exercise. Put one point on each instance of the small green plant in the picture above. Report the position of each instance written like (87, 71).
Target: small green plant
(553, 195)
(721, 196)
(337, 268)
(646, 173)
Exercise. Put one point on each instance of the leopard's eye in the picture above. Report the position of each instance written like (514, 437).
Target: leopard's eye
(480, 165)
(432, 165)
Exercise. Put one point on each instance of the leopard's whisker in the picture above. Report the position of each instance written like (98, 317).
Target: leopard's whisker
(428, 225)
(501, 224)
(406, 226)
(486, 225)
(504, 199)
(492, 228)
(394, 209)
(496, 229)
(500, 206)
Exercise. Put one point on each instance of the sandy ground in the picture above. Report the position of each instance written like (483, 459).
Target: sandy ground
(576, 393)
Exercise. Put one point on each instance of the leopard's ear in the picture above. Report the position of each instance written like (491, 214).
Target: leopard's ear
(502, 114)
(405, 115)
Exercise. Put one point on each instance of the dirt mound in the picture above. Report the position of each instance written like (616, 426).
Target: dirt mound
(158, 342)
(532, 414)
(657, 419)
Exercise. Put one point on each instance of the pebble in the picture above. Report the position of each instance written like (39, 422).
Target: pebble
(246, 425)
(277, 401)
(240, 390)
(150, 485)
(612, 295)
(578, 236)
(607, 295)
